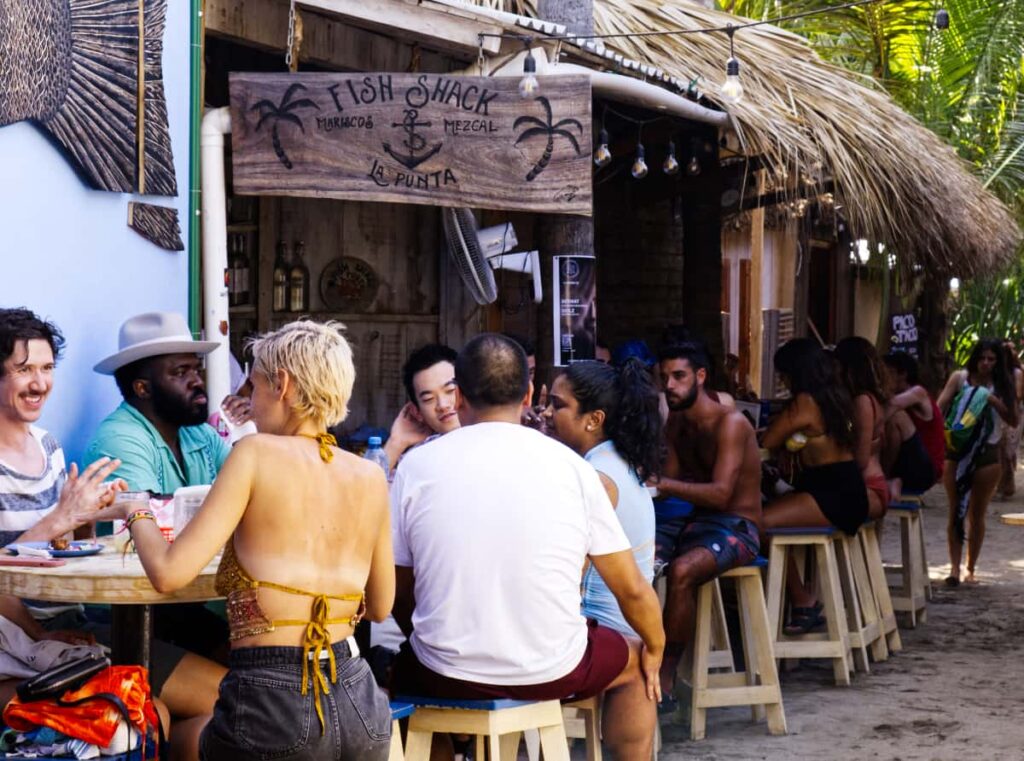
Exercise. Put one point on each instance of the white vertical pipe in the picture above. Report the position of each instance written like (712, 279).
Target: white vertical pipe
(216, 124)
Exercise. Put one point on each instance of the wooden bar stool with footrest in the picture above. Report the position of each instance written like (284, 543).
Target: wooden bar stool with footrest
(398, 711)
(497, 724)
(834, 644)
(910, 586)
(862, 616)
(757, 686)
(868, 536)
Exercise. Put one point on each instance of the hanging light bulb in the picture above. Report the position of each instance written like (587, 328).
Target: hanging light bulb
(528, 85)
(670, 165)
(693, 166)
(602, 156)
(954, 285)
(942, 19)
(639, 169)
(732, 90)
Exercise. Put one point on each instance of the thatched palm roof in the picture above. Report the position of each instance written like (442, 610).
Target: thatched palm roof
(898, 182)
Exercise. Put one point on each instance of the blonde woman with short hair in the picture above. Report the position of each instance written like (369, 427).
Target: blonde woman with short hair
(307, 553)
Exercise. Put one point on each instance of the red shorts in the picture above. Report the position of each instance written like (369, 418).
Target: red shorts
(604, 659)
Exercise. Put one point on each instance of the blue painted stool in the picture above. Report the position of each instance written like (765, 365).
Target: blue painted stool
(498, 724)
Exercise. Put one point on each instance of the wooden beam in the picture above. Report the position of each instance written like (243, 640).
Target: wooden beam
(439, 27)
(327, 42)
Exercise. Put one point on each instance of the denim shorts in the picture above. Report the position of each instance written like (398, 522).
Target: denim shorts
(261, 713)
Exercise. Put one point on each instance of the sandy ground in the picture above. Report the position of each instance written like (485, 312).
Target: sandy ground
(956, 691)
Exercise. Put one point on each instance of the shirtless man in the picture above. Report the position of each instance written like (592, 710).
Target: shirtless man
(713, 462)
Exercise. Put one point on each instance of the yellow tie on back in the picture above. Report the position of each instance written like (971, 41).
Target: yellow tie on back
(326, 441)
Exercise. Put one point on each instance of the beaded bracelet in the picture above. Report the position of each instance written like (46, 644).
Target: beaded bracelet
(138, 515)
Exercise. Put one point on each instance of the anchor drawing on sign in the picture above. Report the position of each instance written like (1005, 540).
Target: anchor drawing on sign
(414, 141)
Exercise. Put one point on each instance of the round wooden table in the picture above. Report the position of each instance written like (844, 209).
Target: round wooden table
(1014, 519)
(112, 579)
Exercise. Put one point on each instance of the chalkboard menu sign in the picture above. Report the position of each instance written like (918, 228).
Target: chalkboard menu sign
(903, 335)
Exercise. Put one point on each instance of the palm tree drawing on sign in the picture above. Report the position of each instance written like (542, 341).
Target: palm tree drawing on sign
(282, 112)
(548, 130)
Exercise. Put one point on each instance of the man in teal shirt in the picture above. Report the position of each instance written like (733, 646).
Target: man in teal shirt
(159, 433)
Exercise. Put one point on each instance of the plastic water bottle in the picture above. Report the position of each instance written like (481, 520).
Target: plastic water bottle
(375, 453)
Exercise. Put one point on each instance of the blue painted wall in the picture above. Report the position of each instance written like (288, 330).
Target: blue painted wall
(66, 252)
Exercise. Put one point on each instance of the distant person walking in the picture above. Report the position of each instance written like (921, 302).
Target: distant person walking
(1011, 440)
(978, 401)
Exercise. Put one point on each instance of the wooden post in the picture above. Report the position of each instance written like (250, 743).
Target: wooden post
(757, 294)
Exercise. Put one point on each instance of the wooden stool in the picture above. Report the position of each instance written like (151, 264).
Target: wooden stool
(758, 686)
(876, 571)
(910, 593)
(862, 616)
(501, 722)
(582, 720)
(398, 711)
(834, 644)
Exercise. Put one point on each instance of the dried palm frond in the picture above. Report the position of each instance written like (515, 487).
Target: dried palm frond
(898, 181)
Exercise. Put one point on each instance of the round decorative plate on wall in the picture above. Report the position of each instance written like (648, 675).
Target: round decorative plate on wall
(348, 284)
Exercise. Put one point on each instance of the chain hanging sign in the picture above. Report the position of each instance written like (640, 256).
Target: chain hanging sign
(430, 139)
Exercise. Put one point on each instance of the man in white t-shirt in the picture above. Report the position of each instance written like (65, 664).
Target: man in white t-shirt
(492, 525)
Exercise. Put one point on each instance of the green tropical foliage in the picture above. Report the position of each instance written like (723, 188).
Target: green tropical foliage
(965, 83)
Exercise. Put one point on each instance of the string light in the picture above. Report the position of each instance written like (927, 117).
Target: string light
(732, 90)
(670, 166)
(639, 168)
(602, 156)
(942, 19)
(528, 85)
(693, 167)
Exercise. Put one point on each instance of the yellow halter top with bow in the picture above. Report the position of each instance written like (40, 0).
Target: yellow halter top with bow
(246, 617)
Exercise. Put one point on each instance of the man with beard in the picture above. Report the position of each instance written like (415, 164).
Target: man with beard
(159, 431)
(160, 435)
(713, 463)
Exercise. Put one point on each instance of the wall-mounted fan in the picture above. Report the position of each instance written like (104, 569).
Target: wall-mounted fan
(477, 253)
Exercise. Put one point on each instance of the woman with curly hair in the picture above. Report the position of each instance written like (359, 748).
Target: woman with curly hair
(972, 468)
(862, 372)
(609, 416)
(829, 487)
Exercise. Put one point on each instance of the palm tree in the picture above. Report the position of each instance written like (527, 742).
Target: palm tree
(282, 112)
(549, 130)
(966, 84)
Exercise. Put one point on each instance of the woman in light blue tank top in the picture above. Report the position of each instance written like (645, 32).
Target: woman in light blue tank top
(610, 417)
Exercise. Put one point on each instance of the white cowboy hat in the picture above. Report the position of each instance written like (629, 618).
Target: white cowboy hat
(151, 335)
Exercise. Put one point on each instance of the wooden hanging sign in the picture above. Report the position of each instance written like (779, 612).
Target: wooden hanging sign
(432, 139)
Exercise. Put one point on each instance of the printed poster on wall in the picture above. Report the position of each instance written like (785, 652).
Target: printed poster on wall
(904, 333)
(574, 285)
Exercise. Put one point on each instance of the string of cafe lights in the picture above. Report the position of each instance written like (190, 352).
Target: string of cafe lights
(731, 89)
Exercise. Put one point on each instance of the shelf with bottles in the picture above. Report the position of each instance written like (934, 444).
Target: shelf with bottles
(290, 283)
(243, 254)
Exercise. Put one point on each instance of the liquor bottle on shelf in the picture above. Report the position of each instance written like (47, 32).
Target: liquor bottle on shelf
(280, 291)
(298, 281)
(231, 277)
(239, 264)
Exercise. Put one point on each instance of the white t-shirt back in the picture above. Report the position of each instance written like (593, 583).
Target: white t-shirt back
(496, 521)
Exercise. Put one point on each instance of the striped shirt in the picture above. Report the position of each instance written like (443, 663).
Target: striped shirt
(26, 500)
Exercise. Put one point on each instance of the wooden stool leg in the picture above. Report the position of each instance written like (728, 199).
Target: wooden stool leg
(876, 570)
(873, 630)
(417, 745)
(750, 655)
(774, 585)
(699, 673)
(835, 616)
(907, 569)
(757, 629)
(926, 575)
(510, 747)
(854, 611)
(592, 720)
(553, 743)
(396, 752)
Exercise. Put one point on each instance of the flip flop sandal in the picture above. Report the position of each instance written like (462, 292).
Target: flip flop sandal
(952, 581)
(804, 620)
